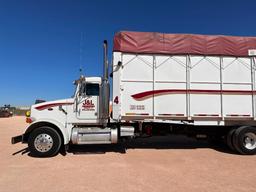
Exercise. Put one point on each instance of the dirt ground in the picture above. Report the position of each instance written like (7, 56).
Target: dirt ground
(157, 164)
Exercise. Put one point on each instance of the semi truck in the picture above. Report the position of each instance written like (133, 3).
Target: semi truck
(201, 86)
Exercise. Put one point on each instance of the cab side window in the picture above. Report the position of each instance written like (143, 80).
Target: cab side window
(92, 89)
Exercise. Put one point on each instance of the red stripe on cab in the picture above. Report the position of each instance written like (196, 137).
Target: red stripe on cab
(46, 106)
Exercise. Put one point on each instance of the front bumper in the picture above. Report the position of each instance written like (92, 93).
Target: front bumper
(17, 139)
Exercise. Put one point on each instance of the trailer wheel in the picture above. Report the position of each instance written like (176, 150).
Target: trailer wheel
(44, 142)
(230, 142)
(244, 140)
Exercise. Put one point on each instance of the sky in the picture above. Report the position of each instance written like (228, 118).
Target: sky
(40, 40)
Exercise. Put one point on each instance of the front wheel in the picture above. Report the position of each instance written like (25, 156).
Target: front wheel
(44, 142)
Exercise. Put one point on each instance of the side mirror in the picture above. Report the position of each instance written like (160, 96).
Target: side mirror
(61, 109)
(82, 90)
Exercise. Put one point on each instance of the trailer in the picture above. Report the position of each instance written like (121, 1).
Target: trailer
(202, 86)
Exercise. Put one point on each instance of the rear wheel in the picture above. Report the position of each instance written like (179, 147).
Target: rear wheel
(244, 140)
(44, 142)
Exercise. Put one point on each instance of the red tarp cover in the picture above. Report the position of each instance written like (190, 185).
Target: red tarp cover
(179, 44)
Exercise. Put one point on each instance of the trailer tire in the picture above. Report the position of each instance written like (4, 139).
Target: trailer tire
(230, 139)
(244, 140)
(44, 142)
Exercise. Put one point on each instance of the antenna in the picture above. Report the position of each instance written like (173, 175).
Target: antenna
(81, 53)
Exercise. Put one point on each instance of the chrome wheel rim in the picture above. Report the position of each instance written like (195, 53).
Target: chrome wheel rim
(43, 142)
(250, 141)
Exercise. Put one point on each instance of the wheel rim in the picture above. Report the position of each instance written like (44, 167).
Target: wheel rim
(43, 142)
(250, 141)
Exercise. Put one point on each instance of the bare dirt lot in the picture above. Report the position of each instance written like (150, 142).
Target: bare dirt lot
(157, 164)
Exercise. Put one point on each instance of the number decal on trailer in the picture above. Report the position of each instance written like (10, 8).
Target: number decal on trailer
(137, 107)
(116, 101)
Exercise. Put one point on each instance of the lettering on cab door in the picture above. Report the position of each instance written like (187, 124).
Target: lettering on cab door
(88, 105)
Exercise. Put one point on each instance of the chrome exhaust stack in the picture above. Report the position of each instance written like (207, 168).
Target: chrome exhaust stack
(105, 89)
(105, 60)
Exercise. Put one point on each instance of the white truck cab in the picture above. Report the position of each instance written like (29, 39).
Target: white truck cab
(83, 107)
(82, 119)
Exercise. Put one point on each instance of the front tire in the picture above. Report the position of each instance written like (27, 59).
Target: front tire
(44, 142)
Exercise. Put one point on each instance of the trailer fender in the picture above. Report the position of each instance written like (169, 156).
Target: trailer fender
(59, 127)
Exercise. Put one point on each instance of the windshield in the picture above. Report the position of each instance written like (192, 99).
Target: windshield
(90, 89)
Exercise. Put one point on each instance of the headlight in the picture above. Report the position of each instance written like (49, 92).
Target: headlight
(28, 114)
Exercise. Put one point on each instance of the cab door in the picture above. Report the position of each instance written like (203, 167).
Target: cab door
(88, 104)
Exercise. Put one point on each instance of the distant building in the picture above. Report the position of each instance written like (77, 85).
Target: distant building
(23, 107)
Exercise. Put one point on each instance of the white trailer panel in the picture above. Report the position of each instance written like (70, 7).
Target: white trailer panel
(182, 87)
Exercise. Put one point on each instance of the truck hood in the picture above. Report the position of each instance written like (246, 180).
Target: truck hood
(48, 104)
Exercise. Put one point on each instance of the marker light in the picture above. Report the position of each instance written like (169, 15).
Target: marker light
(28, 114)
(29, 120)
